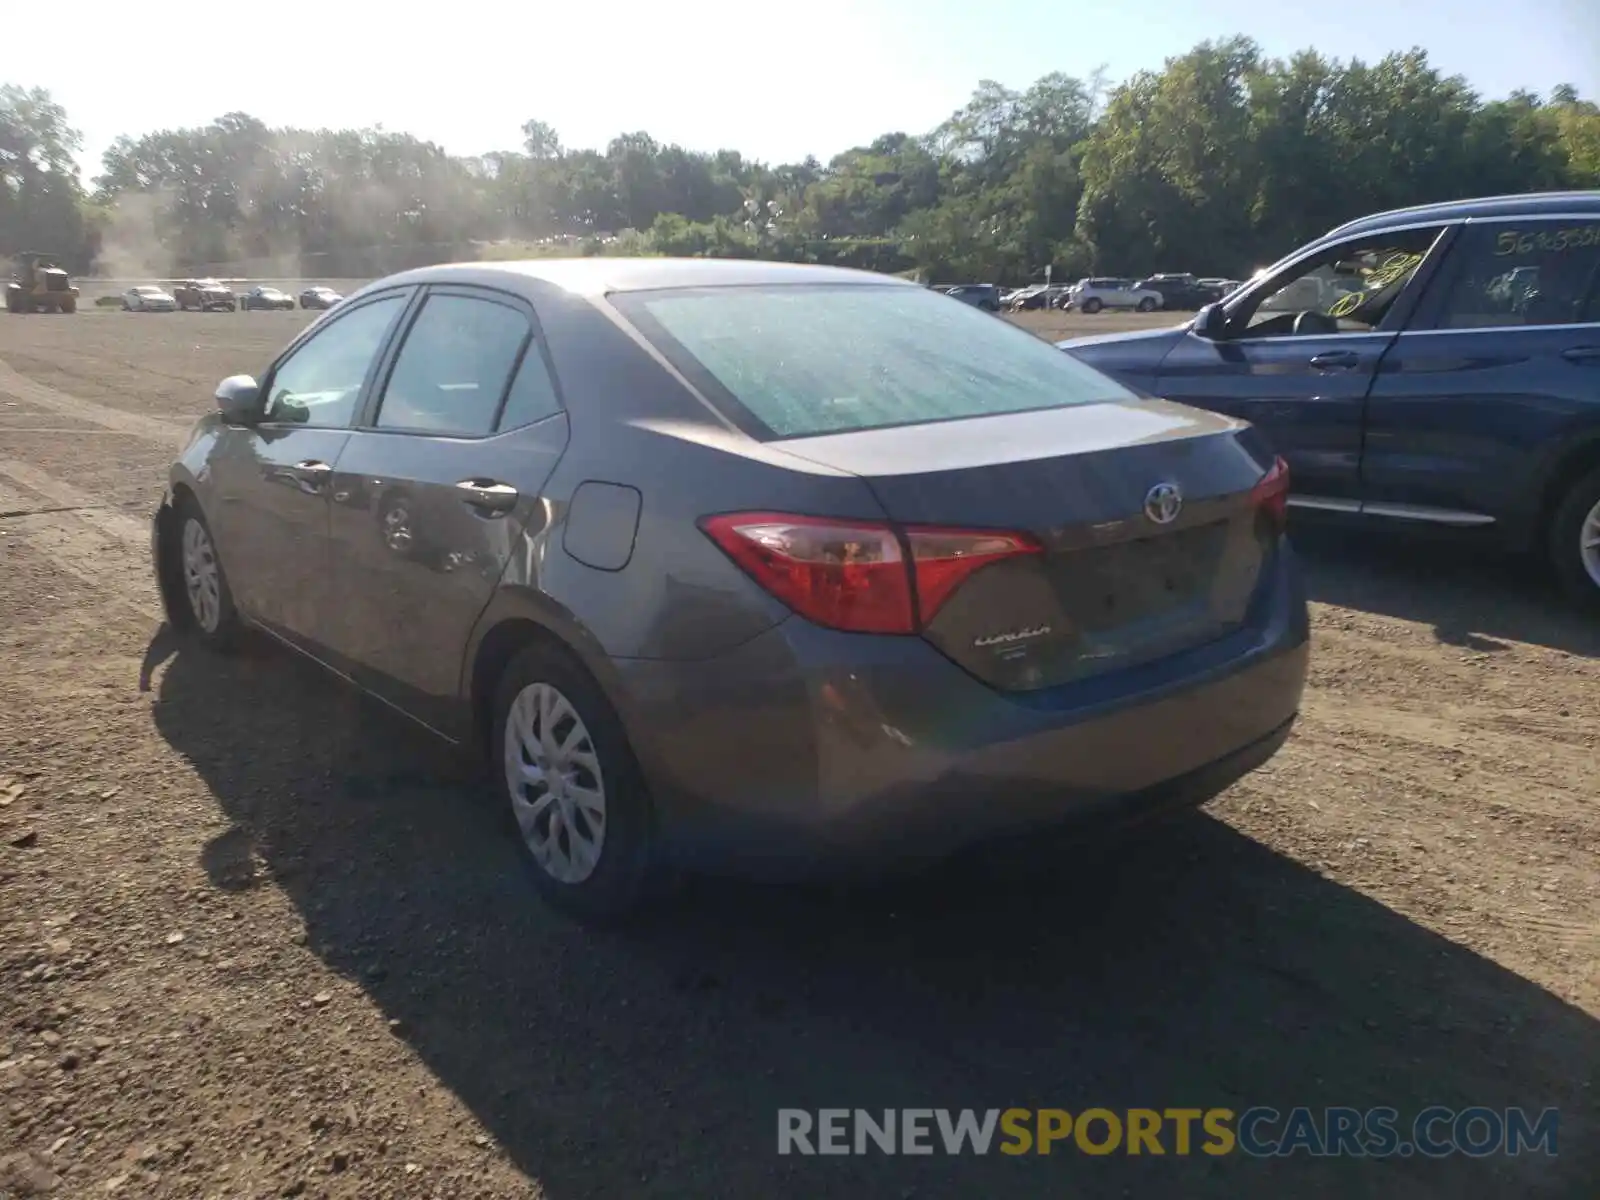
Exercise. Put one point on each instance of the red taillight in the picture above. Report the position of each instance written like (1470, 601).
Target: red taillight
(855, 575)
(944, 558)
(1271, 495)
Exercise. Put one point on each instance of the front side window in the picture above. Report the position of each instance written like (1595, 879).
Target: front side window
(1348, 288)
(453, 368)
(804, 359)
(320, 383)
(1535, 273)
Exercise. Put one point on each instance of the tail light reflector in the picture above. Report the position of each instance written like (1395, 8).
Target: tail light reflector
(859, 576)
(1270, 496)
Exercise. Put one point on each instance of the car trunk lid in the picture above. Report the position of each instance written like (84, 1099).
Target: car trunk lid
(1150, 539)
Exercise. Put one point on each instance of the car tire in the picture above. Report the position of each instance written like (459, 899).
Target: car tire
(1147, 305)
(1092, 305)
(587, 749)
(1574, 545)
(198, 573)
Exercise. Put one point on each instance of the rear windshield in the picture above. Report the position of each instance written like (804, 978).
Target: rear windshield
(800, 359)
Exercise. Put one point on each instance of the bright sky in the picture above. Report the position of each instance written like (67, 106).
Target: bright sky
(776, 81)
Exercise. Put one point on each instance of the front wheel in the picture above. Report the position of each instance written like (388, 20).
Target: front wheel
(571, 786)
(1147, 305)
(1575, 541)
(1092, 305)
(213, 617)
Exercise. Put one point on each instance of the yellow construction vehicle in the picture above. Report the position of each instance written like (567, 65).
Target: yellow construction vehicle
(39, 285)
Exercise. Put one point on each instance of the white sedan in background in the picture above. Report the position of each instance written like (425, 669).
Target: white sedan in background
(148, 299)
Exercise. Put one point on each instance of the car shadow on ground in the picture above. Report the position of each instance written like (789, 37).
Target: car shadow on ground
(1474, 597)
(1192, 967)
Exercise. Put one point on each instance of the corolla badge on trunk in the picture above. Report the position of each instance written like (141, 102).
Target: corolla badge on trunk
(1014, 636)
(1163, 503)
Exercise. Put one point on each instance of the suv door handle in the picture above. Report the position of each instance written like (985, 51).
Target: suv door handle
(487, 494)
(312, 473)
(1335, 360)
(1582, 354)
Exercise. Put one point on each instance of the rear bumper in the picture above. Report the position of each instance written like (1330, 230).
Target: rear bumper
(807, 750)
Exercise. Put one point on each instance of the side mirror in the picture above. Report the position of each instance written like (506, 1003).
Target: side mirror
(239, 400)
(1211, 323)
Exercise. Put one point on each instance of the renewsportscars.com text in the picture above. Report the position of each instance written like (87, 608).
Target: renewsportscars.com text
(1259, 1132)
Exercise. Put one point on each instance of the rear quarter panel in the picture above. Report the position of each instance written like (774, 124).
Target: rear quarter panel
(634, 423)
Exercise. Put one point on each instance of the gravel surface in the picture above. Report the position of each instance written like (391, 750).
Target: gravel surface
(258, 939)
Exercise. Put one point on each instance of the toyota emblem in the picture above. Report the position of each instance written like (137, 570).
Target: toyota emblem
(1163, 503)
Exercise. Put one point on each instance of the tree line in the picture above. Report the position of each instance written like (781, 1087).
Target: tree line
(1222, 160)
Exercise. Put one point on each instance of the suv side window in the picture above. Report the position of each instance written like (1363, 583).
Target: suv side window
(320, 383)
(1347, 288)
(1534, 273)
(453, 367)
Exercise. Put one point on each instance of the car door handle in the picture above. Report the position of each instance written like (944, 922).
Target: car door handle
(309, 474)
(488, 495)
(1582, 354)
(1335, 360)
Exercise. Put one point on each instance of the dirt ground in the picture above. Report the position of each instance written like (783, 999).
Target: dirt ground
(258, 940)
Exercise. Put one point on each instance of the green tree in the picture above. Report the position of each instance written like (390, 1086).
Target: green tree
(41, 200)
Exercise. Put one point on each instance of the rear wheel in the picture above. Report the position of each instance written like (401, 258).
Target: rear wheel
(1575, 540)
(1147, 305)
(1092, 305)
(571, 786)
(210, 601)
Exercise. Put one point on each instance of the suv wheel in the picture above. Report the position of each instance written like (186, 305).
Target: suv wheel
(571, 786)
(1575, 540)
(1147, 305)
(1092, 305)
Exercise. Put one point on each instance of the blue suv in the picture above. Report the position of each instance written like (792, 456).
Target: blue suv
(1436, 367)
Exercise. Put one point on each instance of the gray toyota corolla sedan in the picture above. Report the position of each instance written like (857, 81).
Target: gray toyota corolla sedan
(733, 564)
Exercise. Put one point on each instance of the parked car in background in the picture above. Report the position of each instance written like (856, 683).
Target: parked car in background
(1219, 285)
(1092, 295)
(204, 295)
(705, 554)
(1436, 368)
(1180, 291)
(980, 295)
(319, 297)
(265, 298)
(148, 298)
(1037, 296)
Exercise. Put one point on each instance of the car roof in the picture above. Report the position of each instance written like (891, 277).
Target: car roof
(1530, 204)
(598, 276)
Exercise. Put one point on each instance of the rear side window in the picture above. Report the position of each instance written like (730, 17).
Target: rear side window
(804, 359)
(1539, 273)
(453, 368)
(533, 393)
